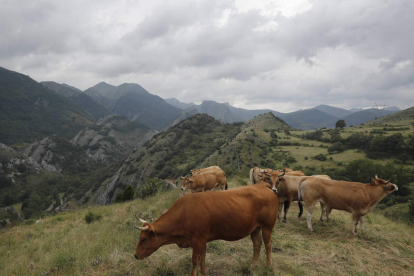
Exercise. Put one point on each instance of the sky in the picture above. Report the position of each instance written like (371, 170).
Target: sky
(282, 55)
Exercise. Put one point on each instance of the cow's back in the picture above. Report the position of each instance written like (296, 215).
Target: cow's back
(231, 214)
(340, 195)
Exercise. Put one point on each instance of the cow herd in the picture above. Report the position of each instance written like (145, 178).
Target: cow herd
(230, 215)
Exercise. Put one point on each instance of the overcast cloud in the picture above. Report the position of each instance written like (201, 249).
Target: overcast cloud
(283, 55)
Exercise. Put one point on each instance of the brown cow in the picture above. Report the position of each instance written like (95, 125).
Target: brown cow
(196, 171)
(255, 174)
(206, 181)
(196, 219)
(286, 188)
(353, 197)
(185, 182)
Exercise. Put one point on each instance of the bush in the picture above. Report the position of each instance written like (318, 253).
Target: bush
(21, 168)
(65, 260)
(320, 157)
(91, 217)
(336, 147)
(150, 187)
(128, 193)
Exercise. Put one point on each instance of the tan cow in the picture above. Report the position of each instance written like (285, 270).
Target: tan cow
(286, 188)
(185, 182)
(196, 219)
(255, 174)
(196, 171)
(206, 181)
(353, 197)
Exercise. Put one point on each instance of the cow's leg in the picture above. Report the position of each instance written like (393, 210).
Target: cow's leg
(203, 263)
(361, 220)
(355, 219)
(323, 211)
(199, 253)
(267, 239)
(287, 205)
(257, 244)
(328, 212)
(280, 210)
(309, 212)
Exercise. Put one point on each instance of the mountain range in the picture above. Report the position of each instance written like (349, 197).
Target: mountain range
(31, 111)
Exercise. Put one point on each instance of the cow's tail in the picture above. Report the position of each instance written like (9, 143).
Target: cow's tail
(251, 176)
(300, 198)
(226, 187)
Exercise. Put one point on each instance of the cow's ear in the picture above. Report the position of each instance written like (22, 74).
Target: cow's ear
(151, 231)
(372, 181)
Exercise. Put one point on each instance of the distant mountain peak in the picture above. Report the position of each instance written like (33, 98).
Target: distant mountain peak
(333, 111)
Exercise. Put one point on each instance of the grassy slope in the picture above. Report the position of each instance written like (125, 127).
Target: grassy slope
(247, 149)
(180, 148)
(68, 243)
(313, 148)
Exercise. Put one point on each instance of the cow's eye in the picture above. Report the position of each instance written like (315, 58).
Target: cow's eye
(143, 240)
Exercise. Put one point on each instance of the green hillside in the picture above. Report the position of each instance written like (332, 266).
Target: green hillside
(169, 154)
(29, 111)
(399, 117)
(251, 147)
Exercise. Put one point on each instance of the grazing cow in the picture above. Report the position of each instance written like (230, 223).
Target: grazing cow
(255, 174)
(206, 181)
(196, 219)
(286, 188)
(185, 182)
(325, 210)
(196, 171)
(353, 197)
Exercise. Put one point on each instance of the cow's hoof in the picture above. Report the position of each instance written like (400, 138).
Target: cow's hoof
(284, 221)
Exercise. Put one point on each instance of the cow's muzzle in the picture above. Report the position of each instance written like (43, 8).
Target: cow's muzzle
(136, 256)
(274, 190)
(395, 187)
(182, 189)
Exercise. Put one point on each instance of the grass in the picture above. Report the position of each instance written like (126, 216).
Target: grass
(67, 245)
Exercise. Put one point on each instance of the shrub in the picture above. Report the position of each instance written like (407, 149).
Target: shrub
(128, 193)
(320, 157)
(151, 187)
(336, 147)
(21, 168)
(91, 217)
(65, 260)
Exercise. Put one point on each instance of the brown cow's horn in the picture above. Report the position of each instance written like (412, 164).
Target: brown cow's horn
(284, 171)
(145, 228)
(141, 220)
(376, 177)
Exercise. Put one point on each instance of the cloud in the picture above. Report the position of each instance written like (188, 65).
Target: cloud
(264, 54)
